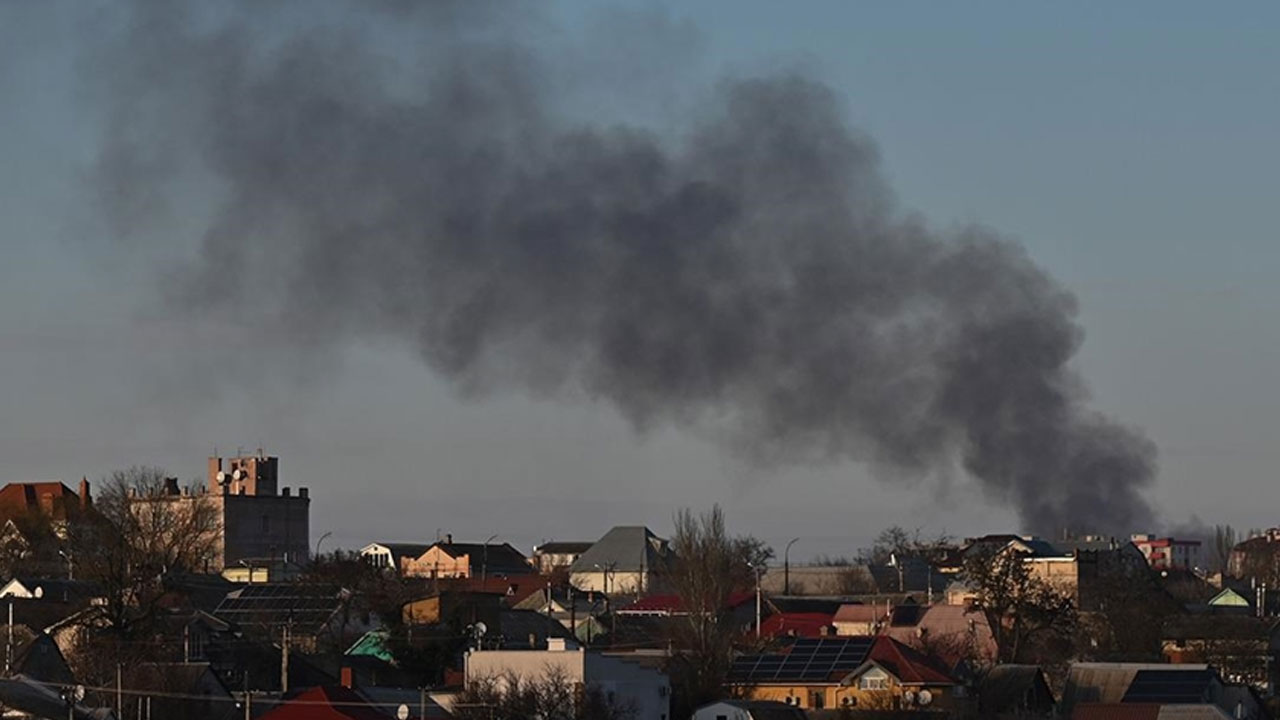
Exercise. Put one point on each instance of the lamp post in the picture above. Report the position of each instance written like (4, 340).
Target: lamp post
(484, 565)
(71, 569)
(786, 567)
(322, 539)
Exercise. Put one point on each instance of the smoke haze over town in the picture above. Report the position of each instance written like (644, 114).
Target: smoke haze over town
(438, 251)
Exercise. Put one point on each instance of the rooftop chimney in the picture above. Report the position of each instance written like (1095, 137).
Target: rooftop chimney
(555, 644)
(85, 499)
(347, 681)
(171, 486)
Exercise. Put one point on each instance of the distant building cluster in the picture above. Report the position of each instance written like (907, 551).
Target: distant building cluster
(161, 600)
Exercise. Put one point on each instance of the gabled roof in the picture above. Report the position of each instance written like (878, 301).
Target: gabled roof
(562, 548)
(1108, 682)
(51, 497)
(326, 702)
(626, 548)
(762, 709)
(499, 557)
(399, 550)
(1005, 687)
(1148, 711)
(1229, 598)
(909, 665)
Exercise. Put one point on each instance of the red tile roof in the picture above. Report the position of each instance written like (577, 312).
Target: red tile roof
(910, 666)
(328, 702)
(798, 624)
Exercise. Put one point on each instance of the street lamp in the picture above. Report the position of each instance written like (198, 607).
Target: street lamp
(786, 568)
(484, 566)
(322, 538)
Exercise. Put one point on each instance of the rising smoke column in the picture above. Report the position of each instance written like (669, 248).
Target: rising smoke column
(751, 272)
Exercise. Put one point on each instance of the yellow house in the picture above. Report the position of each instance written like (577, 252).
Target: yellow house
(876, 673)
(465, 560)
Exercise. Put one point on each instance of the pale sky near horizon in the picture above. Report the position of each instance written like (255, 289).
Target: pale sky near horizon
(1129, 147)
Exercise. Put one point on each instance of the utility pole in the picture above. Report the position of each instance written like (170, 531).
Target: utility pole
(8, 655)
(786, 568)
(284, 661)
(248, 699)
(119, 691)
(422, 703)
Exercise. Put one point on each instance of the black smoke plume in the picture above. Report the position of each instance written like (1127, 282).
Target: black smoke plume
(415, 177)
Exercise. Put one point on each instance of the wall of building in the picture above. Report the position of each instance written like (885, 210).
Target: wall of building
(613, 582)
(646, 689)
(266, 526)
(437, 563)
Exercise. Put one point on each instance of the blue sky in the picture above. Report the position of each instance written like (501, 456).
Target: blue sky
(1129, 147)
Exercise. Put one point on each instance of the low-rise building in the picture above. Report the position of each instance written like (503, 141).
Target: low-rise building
(627, 560)
(552, 556)
(466, 560)
(863, 673)
(631, 684)
(1166, 553)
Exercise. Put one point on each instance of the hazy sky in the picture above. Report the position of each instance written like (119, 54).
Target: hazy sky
(1130, 148)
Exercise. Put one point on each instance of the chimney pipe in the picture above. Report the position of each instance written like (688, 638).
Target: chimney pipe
(347, 681)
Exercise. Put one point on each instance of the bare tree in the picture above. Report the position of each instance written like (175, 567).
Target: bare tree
(1224, 541)
(709, 566)
(1021, 609)
(138, 532)
(552, 695)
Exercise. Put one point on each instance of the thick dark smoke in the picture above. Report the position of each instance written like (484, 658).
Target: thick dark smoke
(424, 182)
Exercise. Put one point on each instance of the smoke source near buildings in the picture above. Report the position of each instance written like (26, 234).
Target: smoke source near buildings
(749, 272)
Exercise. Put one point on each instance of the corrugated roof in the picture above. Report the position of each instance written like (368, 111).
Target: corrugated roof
(1108, 682)
(1170, 686)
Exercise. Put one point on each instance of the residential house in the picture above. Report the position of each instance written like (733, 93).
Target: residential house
(1258, 557)
(50, 499)
(191, 691)
(1166, 553)
(570, 607)
(24, 697)
(637, 685)
(859, 619)
(392, 556)
(959, 636)
(36, 655)
(1148, 711)
(1243, 648)
(344, 701)
(877, 673)
(1190, 687)
(53, 589)
(467, 560)
(1228, 602)
(1074, 566)
(628, 560)
(748, 710)
(1015, 691)
(552, 556)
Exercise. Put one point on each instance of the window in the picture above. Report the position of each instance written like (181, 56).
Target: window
(819, 699)
(873, 679)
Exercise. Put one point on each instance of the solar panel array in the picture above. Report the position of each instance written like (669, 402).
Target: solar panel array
(280, 604)
(810, 660)
(1169, 686)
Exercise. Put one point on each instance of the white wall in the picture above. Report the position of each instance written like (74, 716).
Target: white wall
(648, 689)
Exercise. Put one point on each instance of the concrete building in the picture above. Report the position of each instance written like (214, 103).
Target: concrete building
(257, 521)
(644, 688)
(1168, 553)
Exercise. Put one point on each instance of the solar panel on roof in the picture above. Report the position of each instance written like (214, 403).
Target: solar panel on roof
(1169, 686)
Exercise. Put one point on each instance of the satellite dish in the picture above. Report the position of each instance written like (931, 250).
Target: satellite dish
(222, 477)
(237, 475)
(39, 593)
(78, 693)
(909, 697)
(402, 712)
(481, 629)
(926, 697)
